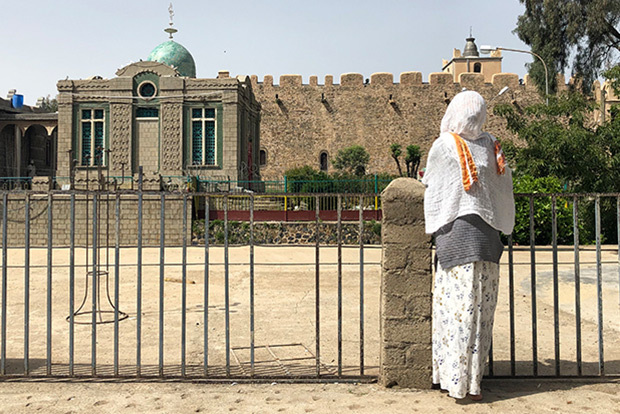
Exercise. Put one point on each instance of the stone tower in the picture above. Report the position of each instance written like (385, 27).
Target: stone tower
(470, 61)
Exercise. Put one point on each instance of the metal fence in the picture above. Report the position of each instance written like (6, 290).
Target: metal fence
(559, 306)
(107, 305)
(76, 306)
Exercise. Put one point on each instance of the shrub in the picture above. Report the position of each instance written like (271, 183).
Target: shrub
(542, 211)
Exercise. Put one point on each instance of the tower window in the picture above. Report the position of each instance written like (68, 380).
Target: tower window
(92, 139)
(203, 148)
(323, 161)
(262, 157)
(477, 67)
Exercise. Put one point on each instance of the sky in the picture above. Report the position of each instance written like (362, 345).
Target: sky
(45, 41)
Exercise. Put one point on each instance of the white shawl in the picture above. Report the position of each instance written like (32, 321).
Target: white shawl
(491, 197)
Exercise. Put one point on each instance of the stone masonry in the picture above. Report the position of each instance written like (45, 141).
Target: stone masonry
(61, 220)
(308, 119)
(406, 285)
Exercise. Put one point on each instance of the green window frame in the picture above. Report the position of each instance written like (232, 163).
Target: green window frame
(203, 145)
(92, 137)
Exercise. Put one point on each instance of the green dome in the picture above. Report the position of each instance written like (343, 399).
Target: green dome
(173, 54)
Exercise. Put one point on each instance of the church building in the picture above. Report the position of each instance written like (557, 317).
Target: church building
(157, 115)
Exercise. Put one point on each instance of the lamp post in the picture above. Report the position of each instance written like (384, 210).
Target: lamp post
(486, 49)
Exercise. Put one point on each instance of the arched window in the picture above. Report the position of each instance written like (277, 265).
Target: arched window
(262, 157)
(477, 67)
(323, 161)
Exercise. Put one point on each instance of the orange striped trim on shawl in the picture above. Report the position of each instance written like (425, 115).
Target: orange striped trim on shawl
(469, 172)
(500, 157)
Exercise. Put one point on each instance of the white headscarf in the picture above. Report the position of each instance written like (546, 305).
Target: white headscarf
(465, 115)
(491, 197)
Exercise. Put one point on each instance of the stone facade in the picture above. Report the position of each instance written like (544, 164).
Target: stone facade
(148, 120)
(301, 121)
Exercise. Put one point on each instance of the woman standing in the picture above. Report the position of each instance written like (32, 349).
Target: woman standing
(468, 201)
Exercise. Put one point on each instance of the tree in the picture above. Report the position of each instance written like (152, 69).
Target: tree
(353, 160)
(564, 144)
(557, 30)
(562, 141)
(396, 151)
(49, 104)
(413, 160)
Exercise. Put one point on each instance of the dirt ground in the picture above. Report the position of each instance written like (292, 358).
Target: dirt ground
(499, 397)
(284, 315)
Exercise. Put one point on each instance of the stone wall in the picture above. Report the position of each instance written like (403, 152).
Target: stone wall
(299, 121)
(293, 233)
(405, 287)
(61, 220)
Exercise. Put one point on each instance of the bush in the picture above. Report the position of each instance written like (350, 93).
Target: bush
(353, 160)
(542, 211)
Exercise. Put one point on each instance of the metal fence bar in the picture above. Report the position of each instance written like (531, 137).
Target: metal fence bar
(4, 282)
(599, 285)
(533, 289)
(49, 285)
(339, 241)
(618, 232)
(361, 244)
(72, 283)
(162, 265)
(184, 289)
(577, 284)
(252, 285)
(139, 280)
(117, 257)
(226, 286)
(205, 321)
(95, 281)
(556, 305)
(27, 285)
(317, 289)
(511, 305)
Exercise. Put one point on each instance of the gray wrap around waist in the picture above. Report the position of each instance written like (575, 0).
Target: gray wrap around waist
(467, 239)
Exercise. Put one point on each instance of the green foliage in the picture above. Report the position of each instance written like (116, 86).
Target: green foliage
(566, 150)
(396, 150)
(305, 180)
(352, 160)
(375, 227)
(561, 141)
(542, 211)
(613, 76)
(414, 155)
(49, 104)
(219, 237)
(412, 159)
(560, 30)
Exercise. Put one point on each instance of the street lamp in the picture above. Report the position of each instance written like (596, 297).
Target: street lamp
(486, 49)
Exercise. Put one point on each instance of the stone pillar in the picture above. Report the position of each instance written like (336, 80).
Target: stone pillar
(405, 287)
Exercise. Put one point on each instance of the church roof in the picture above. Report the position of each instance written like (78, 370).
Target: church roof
(174, 54)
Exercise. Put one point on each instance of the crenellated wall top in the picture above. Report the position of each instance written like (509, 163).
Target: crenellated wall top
(385, 79)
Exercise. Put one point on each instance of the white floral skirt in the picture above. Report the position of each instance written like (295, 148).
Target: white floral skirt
(464, 300)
